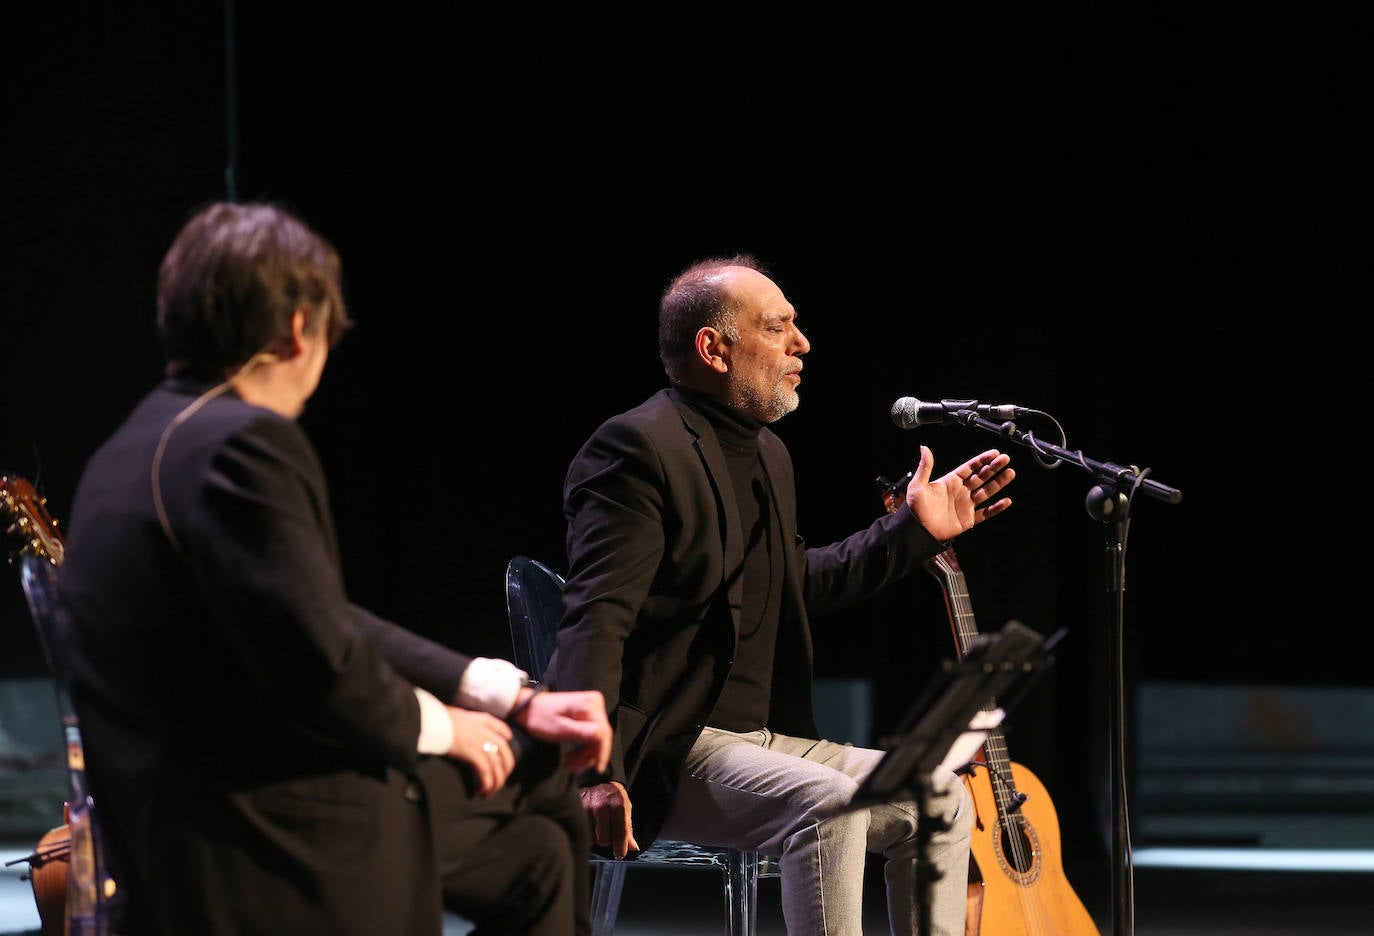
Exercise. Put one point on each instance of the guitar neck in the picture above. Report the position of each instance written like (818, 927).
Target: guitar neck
(945, 568)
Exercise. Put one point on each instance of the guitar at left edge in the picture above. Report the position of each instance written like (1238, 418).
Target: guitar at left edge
(32, 530)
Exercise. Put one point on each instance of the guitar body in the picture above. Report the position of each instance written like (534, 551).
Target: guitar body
(973, 918)
(1020, 864)
(48, 871)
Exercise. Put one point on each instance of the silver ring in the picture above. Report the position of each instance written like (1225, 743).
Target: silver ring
(489, 747)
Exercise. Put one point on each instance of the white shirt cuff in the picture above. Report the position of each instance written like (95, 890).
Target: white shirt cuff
(436, 728)
(491, 685)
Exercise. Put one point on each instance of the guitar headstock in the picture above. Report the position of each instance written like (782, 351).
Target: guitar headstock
(945, 567)
(27, 522)
(893, 493)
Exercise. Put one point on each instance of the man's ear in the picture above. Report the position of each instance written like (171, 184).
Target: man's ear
(300, 321)
(713, 349)
(286, 348)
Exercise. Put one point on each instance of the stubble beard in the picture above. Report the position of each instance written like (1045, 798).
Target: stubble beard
(766, 408)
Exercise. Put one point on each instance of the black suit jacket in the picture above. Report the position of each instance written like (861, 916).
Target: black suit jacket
(652, 600)
(249, 732)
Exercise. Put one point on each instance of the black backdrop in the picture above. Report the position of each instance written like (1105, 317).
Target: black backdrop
(1138, 220)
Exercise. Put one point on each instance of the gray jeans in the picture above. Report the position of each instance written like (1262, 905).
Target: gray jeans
(781, 795)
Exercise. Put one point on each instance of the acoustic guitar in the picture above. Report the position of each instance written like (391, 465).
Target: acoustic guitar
(32, 530)
(1017, 885)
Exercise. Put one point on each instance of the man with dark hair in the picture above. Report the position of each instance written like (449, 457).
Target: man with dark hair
(689, 602)
(265, 756)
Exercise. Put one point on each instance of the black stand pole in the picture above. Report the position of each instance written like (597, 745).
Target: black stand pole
(1108, 501)
(1113, 509)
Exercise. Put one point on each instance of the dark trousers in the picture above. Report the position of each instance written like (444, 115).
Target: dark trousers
(514, 862)
(517, 861)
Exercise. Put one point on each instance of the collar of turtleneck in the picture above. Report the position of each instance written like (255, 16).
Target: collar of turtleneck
(738, 432)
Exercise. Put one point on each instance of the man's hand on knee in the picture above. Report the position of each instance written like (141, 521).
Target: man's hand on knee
(608, 808)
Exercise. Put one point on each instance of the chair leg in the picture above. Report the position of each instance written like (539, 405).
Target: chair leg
(608, 882)
(742, 893)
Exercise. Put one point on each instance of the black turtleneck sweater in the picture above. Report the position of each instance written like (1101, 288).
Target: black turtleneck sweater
(743, 704)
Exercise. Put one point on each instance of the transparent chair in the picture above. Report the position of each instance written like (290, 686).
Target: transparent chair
(534, 605)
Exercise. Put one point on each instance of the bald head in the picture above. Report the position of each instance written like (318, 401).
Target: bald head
(698, 297)
(726, 329)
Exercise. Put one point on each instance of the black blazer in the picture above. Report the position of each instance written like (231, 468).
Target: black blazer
(651, 611)
(249, 732)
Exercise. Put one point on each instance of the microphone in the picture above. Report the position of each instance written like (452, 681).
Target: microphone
(909, 412)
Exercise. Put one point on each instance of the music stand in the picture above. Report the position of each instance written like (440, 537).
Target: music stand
(947, 724)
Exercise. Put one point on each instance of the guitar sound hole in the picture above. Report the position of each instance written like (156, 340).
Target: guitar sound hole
(1018, 851)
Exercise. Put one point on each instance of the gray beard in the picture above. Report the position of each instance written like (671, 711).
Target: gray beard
(765, 409)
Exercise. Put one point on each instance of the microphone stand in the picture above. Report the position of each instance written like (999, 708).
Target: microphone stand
(1109, 501)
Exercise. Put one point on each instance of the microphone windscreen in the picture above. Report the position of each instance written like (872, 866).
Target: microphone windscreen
(905, 412)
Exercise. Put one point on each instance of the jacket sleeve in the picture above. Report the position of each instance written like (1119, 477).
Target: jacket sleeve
(861, 564)
(260, 542)
(431, 666)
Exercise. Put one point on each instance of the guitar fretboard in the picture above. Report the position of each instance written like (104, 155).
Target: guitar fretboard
(945, 568)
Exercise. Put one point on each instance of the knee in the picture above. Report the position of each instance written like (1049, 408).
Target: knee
(827, 801)
(946, 814)
(961, 823)
(819, 806)
(952, 808)
(828, 812)
(549, 847)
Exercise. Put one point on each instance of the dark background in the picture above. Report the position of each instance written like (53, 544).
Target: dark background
(1141, 220)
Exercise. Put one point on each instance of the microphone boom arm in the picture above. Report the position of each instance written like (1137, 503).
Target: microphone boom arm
(1108, 503)
(1115, 476)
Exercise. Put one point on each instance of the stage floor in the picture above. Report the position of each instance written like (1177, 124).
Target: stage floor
(1222, 900)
